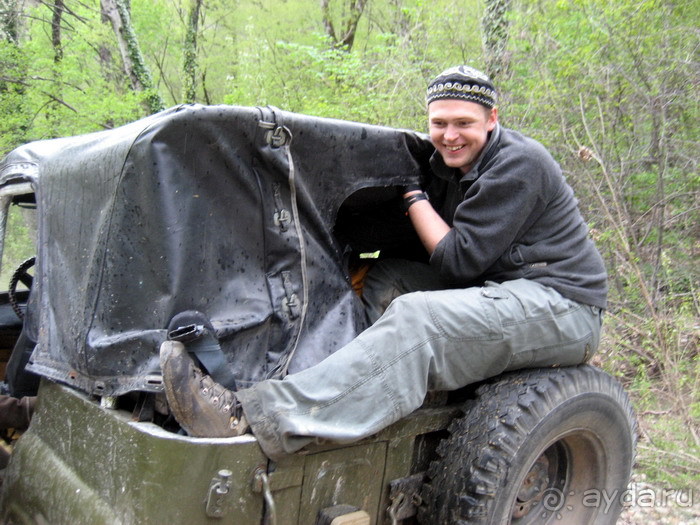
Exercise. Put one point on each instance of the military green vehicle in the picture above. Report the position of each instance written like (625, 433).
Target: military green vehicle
(262, 219)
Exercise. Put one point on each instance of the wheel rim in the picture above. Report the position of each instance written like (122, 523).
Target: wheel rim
(546, 476)
(555, 482)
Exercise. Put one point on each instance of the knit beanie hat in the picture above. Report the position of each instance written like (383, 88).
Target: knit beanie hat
(463, 83)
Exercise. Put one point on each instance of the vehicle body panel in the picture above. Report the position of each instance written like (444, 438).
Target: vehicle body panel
(82, 463)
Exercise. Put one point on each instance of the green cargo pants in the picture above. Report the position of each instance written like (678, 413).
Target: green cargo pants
(427, 340)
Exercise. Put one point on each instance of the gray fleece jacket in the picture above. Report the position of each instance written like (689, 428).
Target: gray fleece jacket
(514, 216)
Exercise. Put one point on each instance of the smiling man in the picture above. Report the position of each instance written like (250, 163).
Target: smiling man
(460, 131)
(510, 280)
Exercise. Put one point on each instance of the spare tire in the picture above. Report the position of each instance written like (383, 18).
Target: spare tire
(535, 446)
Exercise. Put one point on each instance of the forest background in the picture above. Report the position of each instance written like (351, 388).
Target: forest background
(610, 88)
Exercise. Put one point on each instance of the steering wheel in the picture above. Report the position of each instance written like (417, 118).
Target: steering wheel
(20, 275)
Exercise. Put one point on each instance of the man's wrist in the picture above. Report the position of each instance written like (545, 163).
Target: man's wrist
(411, 199)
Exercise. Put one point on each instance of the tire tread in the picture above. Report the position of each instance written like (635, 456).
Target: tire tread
(495, 426)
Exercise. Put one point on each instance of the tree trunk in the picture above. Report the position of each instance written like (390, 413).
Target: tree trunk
(351, 13)
(189, 88)
(57, 8)
(495, 29)
(402, 22)
(9, 21)
(117, 13)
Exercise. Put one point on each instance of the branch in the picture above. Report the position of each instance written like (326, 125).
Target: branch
(60, 101)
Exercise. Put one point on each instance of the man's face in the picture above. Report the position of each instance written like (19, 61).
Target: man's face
(459, 130)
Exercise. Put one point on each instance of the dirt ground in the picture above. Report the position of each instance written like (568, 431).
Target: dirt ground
(647, 504)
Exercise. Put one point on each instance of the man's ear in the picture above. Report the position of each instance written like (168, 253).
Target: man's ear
(493, 119)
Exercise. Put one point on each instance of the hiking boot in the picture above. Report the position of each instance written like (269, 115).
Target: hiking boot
(200, 405)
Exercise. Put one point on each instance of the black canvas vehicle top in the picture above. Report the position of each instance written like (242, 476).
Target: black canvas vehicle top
(226, 210)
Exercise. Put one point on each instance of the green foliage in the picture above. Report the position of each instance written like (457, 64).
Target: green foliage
(12, 95)
(19, 243)
(83, 92)
(319, 79)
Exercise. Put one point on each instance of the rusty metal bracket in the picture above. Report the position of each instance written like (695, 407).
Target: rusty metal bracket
(218, 490)
(404, 494)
